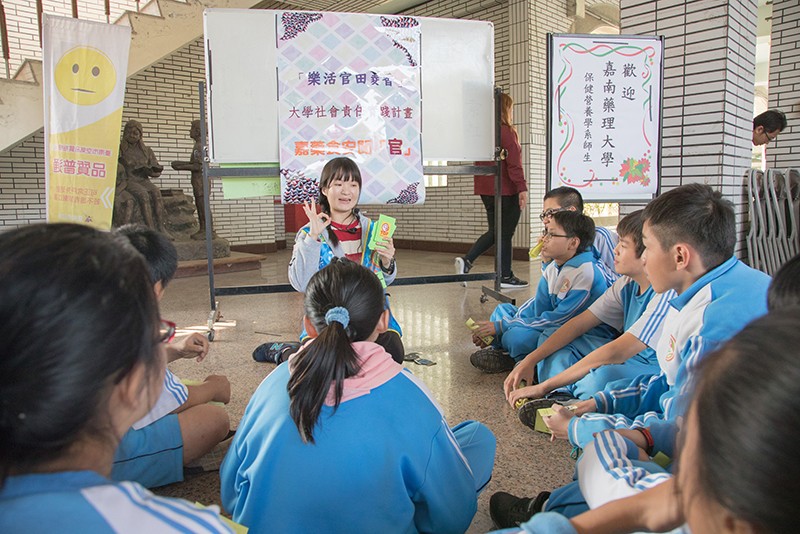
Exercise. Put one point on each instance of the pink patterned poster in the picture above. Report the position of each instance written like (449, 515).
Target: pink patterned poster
(349, 85)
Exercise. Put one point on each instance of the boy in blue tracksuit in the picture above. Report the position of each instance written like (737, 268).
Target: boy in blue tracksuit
(569, 199)
(569, 285)
(572, 364)
(689, 234)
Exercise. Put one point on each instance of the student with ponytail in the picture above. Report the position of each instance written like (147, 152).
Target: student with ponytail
(344, 439)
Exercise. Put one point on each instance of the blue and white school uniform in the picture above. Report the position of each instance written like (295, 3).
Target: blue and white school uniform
(83, 502)
(624, 309)
(699, 320)
(151, 452)
(384, 461)
(605, 241)
(708, 313)
(563, 292)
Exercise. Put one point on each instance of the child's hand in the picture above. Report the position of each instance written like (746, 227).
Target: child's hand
(529, 392)
(485, 328)
(385, 249)
(523, 371)
(222, 388)
(559, 423)
(319, 221)
(478, 341)
(194, 345)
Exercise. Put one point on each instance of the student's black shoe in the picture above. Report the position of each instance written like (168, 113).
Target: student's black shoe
(274, 352)
(492, 360)
(512, 282)
(508, 511)
(463, 265)
(527, 412)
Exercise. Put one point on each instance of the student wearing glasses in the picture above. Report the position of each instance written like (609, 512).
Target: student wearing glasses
(181, 427)
(82, 359)
(605, 240)
(767, 126)
(570, 283)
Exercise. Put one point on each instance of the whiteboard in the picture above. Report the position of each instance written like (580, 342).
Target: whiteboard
(242, 87)
(604, 115)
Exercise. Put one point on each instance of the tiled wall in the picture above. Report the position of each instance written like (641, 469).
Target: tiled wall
(452, 214)
(708, 90)
(784, 82)
(164, 99)
(23, 26)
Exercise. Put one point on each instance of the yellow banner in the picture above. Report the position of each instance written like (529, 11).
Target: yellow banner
(85, 67)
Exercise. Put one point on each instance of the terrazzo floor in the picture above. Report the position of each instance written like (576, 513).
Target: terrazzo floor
(432, 317)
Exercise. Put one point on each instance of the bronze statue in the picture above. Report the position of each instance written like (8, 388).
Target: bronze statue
(195, 165)
(140, 164)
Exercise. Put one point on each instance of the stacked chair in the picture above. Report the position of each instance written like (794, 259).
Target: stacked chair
(774, 210)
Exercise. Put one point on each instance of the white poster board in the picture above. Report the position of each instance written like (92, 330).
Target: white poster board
(457, 87)
(604, 115)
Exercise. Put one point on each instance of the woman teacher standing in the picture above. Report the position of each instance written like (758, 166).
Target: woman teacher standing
(514, 195)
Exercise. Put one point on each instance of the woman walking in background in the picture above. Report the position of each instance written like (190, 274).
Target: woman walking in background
(514, 194)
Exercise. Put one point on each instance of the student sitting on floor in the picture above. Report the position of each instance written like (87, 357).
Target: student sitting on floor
(571, 282)
(572, 364)
(338, 231)
(689, 235)
(81, 360)
(569, 199)
(738, 472)
(181, 427)
(344, 439)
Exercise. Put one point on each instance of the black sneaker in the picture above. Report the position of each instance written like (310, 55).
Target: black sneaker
(512, 282)
(463, 265)
(492, 360)
(527, 412)
(274, 352)
(508, 511)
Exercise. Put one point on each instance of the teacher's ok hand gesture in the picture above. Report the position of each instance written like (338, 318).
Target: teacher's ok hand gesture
(319, 221)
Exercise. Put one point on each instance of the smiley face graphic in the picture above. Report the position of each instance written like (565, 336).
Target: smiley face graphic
(85, 76)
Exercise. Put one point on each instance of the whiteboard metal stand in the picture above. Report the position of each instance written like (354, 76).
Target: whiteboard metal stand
(214, 314)
(499, 155)
(242, 172)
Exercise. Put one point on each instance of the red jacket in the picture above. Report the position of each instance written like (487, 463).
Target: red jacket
(512, 175)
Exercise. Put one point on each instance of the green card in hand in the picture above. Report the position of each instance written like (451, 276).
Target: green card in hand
(383, 230)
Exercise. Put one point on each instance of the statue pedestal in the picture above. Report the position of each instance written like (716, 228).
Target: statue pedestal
(193, 249)
(182, 223)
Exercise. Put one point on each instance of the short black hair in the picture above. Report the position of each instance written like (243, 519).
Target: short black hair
(743, 463)
(784, 291)
(771, 120)
(158, 251)
(698, 215)
(577, 224)
(631, 226)
(77, 314)
(567, 197)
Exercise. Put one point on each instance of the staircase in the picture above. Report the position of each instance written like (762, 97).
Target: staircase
(157, 30)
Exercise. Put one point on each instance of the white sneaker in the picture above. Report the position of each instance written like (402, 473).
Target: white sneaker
(461, 266)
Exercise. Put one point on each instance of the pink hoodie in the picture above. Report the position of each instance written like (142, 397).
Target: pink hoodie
(377, 368)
